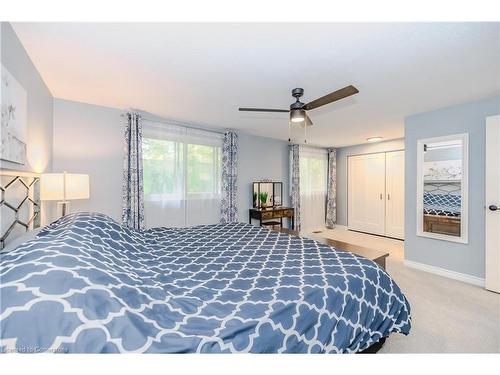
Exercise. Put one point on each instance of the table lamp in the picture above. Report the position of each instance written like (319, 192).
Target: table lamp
(64, 187)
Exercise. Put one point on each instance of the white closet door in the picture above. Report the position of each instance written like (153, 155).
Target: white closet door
(395, 194)
(366, 193)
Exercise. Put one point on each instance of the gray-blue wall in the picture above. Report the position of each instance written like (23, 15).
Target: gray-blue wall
(464, 118)
(260, 158)
(342, 154)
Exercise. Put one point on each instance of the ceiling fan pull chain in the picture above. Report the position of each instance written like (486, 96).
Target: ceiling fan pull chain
(305, 131)
(289, 131)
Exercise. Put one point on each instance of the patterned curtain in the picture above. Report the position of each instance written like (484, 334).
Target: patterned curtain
(132, 189)
(229, 211)
(295, 185)
(331, 194)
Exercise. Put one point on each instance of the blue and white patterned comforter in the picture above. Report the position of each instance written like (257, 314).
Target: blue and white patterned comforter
(87, 284)
(442, 204)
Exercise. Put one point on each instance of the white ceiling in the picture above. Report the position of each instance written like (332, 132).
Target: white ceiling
(202, 73)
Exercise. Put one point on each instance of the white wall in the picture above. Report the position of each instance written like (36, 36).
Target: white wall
(40, 109)
(342, 154)
(89, 139)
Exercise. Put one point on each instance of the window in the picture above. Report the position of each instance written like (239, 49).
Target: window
(163, 168)
(203, 169)
(313, 184)
(182, 177)
(313, 173)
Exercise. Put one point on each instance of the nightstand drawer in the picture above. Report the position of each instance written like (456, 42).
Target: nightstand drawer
(267, 215)
(277, 214)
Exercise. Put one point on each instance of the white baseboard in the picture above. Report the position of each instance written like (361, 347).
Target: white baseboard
(474, 280)
(341, 226)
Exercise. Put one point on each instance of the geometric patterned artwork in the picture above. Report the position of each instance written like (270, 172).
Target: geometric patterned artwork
(87, 284)
(13, 125)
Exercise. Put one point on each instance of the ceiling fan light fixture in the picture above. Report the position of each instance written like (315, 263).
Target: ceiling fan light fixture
(297, 115)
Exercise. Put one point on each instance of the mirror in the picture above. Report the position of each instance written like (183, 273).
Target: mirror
(442, 181)
(267, 194)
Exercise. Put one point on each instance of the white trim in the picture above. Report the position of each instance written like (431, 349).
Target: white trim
(340, 227)
(464, 230)
(14, 173)
(474, 280)
(335, 226)
(492, 194)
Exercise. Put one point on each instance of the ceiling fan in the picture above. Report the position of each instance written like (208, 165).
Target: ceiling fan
(298, 110)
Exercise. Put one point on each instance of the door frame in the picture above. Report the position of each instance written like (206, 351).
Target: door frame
(492, 257)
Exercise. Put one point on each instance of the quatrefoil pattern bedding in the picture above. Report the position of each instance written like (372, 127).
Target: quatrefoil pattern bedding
(87, 284)
(442, 204)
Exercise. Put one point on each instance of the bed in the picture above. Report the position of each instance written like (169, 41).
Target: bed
(442, 205)
(86, 284)
(442, 213)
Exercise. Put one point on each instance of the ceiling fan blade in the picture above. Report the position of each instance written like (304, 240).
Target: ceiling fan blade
(332, 97)
(263, 110)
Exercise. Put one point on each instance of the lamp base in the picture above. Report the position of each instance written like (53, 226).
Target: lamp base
(63, 208)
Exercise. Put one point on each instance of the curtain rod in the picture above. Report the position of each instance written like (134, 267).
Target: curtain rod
(177, 123)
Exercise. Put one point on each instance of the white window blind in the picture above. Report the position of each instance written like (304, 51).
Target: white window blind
(182, 175)
(313, 185)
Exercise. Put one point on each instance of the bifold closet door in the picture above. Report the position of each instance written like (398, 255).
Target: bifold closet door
(366, 193)
(395, 194)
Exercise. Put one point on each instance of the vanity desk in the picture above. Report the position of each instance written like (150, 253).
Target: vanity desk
(271, 216)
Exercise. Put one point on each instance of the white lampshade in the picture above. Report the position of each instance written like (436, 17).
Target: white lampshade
(52, 186)
(64, 186)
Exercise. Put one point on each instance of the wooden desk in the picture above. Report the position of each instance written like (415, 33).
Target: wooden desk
(271, 216)
(449, 225)
(377, 256)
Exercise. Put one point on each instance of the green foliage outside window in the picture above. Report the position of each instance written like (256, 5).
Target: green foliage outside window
(202, 169)
(312, 175)
(166, 162)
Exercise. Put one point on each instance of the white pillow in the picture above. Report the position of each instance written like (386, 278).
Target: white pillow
(29, 235)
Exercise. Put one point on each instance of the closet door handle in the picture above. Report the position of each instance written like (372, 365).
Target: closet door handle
(381, 196)
(388, 197)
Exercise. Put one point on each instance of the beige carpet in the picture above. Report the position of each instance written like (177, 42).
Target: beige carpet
(448, 316)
